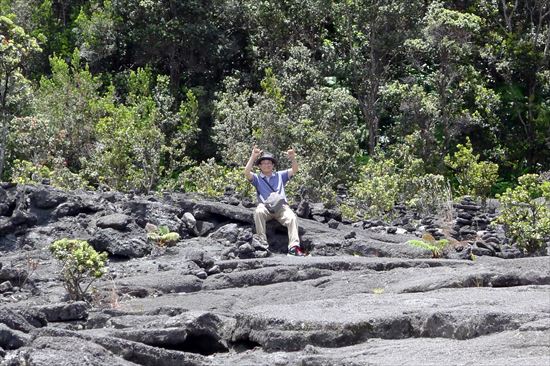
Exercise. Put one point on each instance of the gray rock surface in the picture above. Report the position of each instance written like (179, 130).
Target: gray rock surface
(363, 297)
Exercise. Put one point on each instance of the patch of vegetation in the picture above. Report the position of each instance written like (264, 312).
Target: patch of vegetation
(428, 242)
(473, 177)
(81, 265)
(525, 213)
(162, 236)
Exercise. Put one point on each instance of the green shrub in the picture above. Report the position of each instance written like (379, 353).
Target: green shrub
(474, 177)
(349, 212)
(210, 179)
(526, 214)
(25, 172)
(432, 194)
(82, 265)
(377, 190)
(399, 176)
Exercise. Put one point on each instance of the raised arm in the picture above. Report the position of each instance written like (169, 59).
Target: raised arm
(294, 163)
(253, 157)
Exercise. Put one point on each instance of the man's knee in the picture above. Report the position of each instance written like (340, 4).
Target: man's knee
(289, 218)
(261, 212)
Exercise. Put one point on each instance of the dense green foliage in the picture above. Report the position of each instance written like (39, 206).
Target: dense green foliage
(82, 265)
(389, 98)
(526, 213)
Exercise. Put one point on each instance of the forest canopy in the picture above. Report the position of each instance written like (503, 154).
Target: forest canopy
(394, 100)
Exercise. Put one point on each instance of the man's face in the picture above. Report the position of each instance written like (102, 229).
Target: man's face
(266, 166)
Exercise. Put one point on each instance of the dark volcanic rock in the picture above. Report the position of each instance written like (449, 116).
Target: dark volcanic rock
(364, 296)
(128, 245)
(47, 198)
(64, 312)
(12, 339)
(116, 221)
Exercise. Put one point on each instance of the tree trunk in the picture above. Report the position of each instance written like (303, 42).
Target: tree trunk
(3, 137)
(372, 121)
(3, 122)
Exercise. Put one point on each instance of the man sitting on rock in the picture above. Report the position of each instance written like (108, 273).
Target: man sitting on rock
(266, 182)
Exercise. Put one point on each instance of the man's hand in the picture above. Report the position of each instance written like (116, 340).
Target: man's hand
(292, 157)
(256, 152)
(291, 154)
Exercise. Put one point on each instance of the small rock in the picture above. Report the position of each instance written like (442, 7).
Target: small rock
(5, 286)
(333, 224)
(246, 248)
(262, 254)
(202, 275)
(189, 220)
(350, 235)
(213, 270)
(259, 243)
(116, 221)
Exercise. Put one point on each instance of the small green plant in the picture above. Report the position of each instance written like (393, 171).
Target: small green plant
(429, 243)
(162, 236)
(82, 265)
(525, 213)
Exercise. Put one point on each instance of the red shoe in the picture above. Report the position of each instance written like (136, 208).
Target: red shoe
(296, 251)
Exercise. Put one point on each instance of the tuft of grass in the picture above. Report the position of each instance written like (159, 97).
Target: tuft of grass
(434, 246)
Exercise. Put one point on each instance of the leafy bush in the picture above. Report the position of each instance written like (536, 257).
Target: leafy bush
(377, 190)
(474, 177)
(34, 139)
(432, 194)
(25, 172)
(82, 265)
(210, 179)
(66, 101)
(144, 139)
(398, 176)
(526, 214)
(349, 212)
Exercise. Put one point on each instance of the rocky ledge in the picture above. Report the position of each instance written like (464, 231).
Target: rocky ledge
(363, 297)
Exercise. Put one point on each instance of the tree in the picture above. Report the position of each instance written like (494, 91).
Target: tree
(444, 95)
(67, 101)
(186, 40)
(96, 35)
(15, 46)
(368, 48)
(137, 135)
(517, 53)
